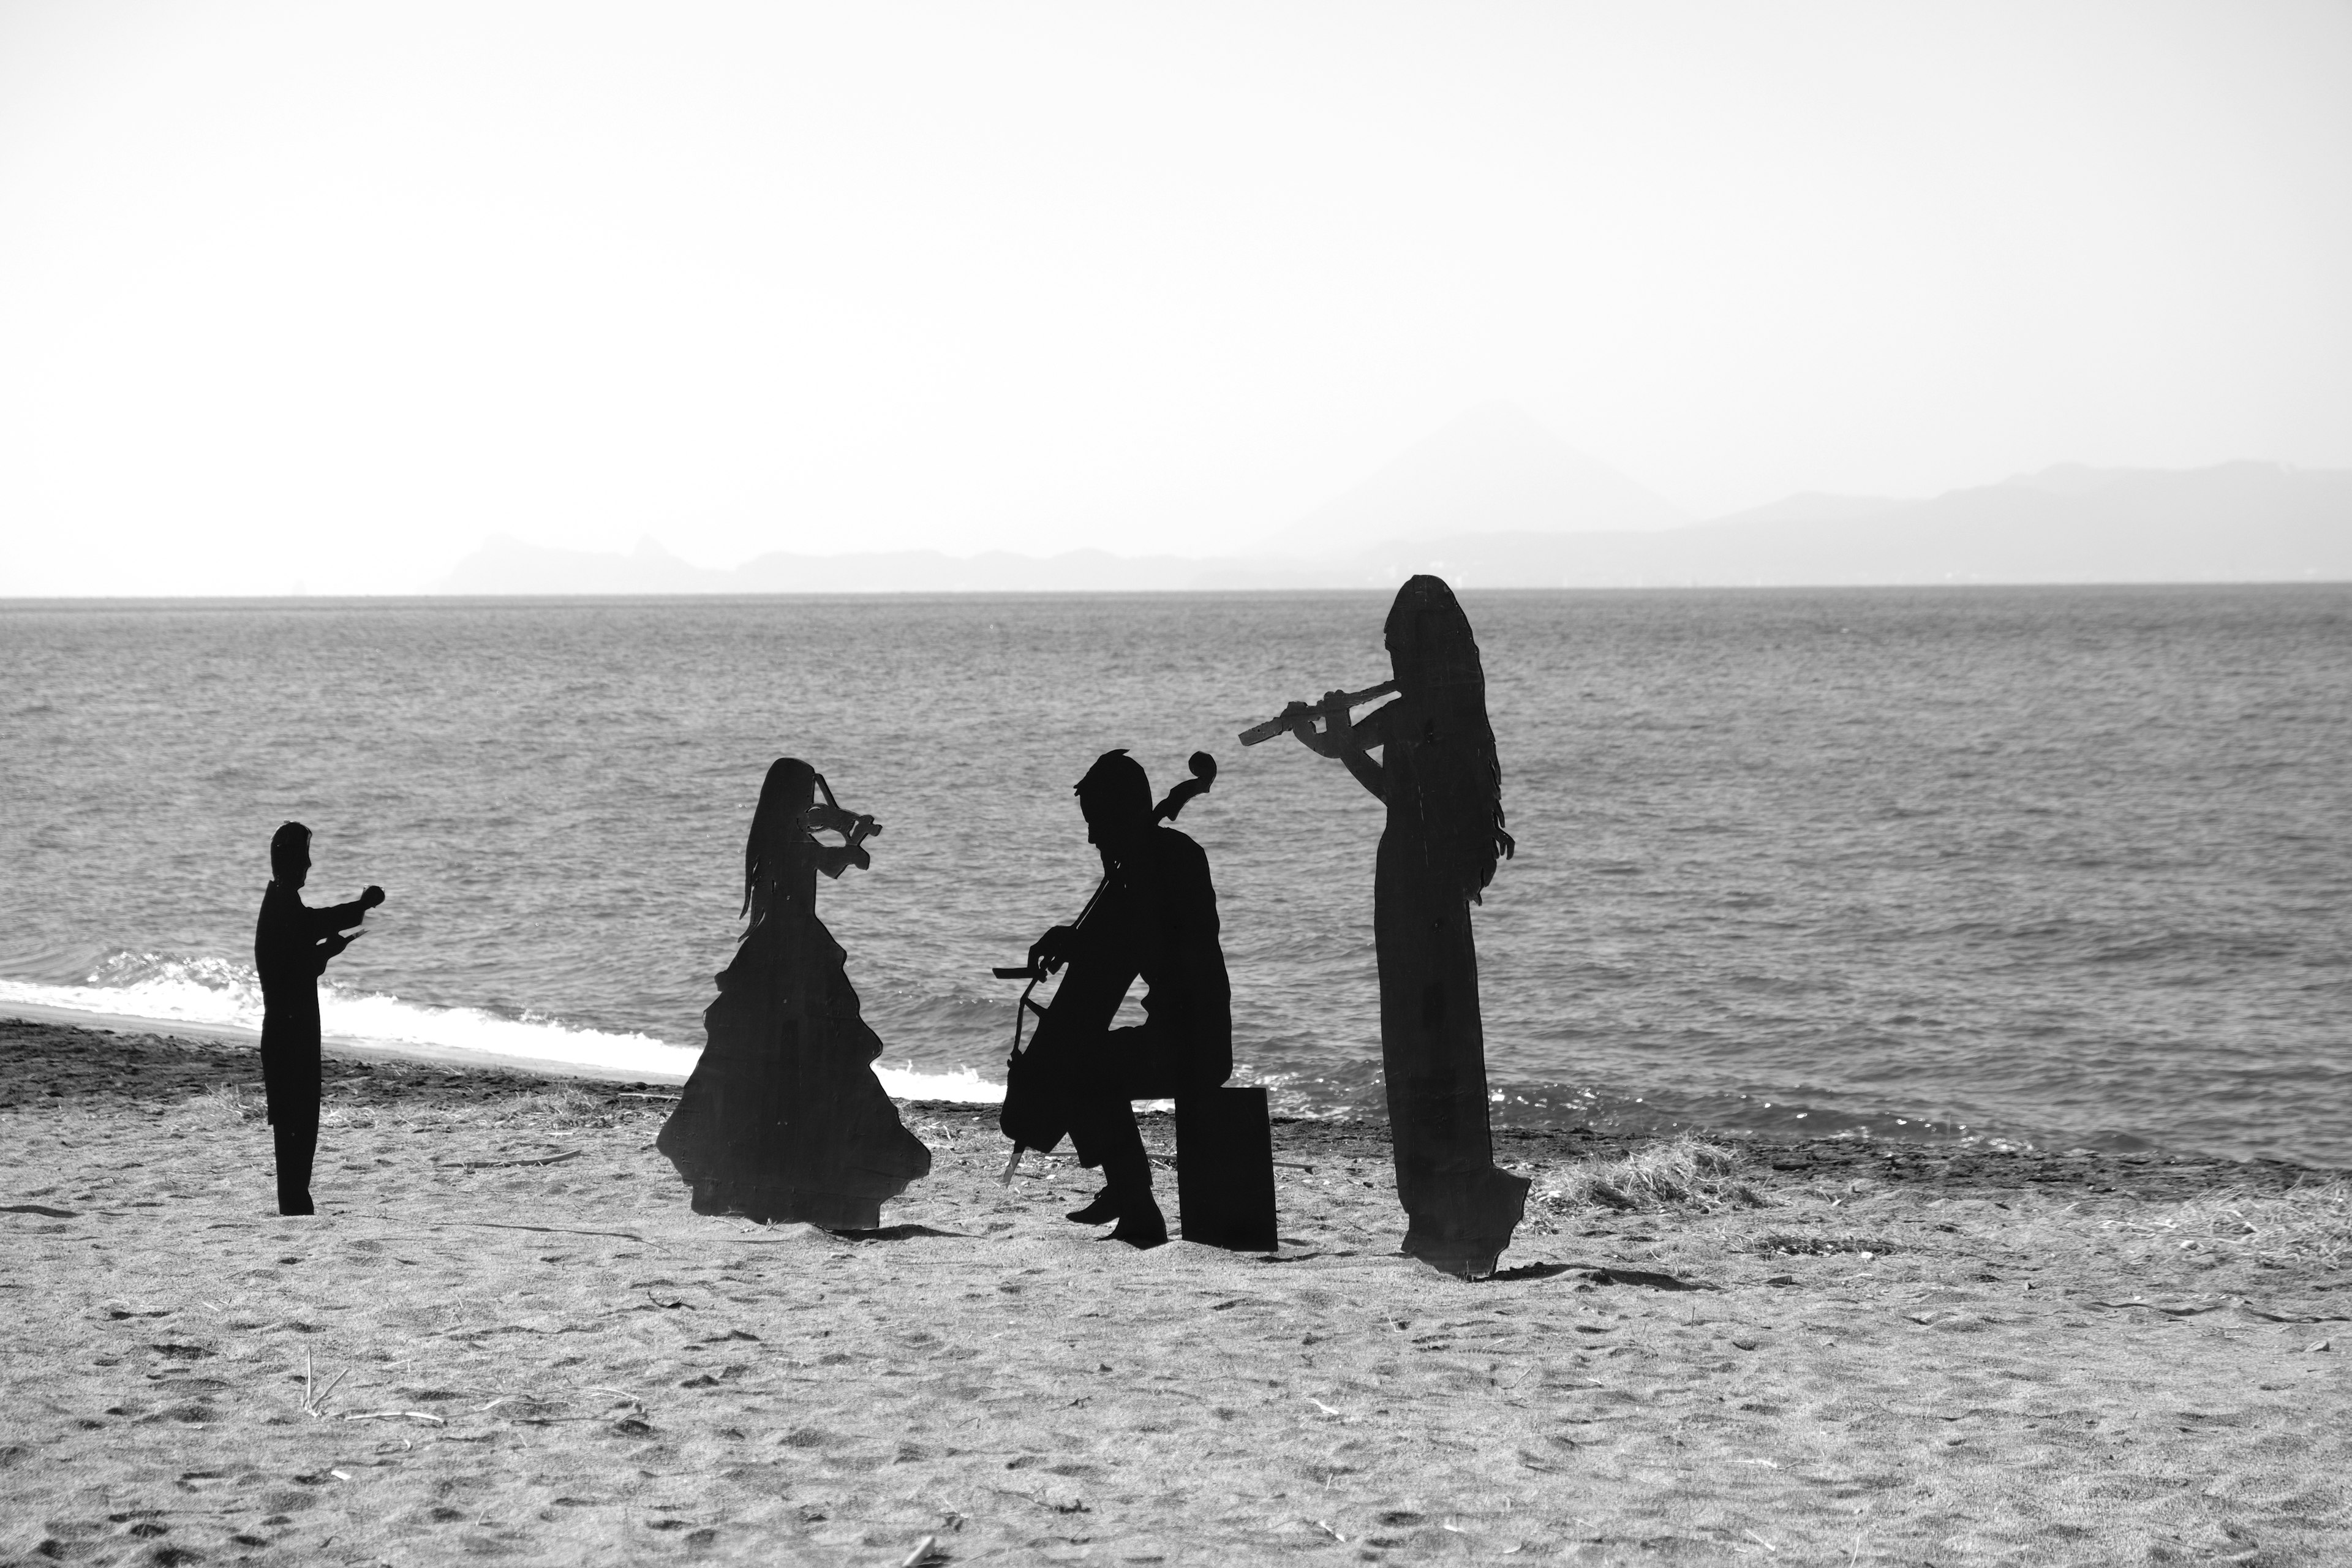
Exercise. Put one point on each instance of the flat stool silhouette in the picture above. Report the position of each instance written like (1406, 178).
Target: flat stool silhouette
(1225, 1169)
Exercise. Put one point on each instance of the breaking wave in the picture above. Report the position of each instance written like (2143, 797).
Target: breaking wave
(219, 992)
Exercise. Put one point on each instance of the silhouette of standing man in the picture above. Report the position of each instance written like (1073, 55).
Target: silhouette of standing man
(291, 945)
(1155, 919)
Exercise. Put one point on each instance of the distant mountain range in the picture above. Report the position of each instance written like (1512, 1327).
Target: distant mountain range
(510, 566)
(1494, 502)
(1495, 470)
(2238, 522)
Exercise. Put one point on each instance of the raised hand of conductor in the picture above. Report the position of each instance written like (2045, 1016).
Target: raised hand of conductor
(334, 941)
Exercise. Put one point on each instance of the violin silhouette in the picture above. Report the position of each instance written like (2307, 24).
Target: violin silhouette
(855, 828)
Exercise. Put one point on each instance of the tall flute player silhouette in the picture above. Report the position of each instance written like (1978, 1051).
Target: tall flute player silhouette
(783, 1117)
(1443, 785)
(291, 945)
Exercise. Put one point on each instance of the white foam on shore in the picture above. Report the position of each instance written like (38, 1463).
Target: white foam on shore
(217, 995)
(963, 1086)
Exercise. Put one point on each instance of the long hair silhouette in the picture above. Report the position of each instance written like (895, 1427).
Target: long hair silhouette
(1457, 780)
(779, 823)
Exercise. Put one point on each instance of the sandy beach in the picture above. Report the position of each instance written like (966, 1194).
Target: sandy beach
(506, 1336)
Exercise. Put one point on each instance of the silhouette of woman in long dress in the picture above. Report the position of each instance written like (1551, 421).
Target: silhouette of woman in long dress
(1441, 783)
(783, 1117)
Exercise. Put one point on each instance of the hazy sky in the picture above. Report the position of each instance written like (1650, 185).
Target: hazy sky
(327, 293)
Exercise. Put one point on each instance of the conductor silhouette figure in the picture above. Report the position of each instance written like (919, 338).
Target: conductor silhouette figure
(291, 945)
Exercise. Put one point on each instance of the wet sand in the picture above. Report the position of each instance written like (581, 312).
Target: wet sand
(506, 1336)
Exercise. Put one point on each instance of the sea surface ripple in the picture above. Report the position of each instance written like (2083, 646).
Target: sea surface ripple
(2049, 866)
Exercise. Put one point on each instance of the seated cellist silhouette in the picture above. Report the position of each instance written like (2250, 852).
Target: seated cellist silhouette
(1154, 917)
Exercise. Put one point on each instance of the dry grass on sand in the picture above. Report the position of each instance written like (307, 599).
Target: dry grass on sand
(506, 1336)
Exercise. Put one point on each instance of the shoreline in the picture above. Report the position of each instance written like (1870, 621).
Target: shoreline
(351, 1048)
(203, 1054)
(341, 1047)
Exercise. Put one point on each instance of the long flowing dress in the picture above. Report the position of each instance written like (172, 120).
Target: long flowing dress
(782, 1119)
(1462, 1209)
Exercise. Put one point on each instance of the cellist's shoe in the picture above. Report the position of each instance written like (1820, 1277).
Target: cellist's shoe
(1101, 1211)
(1141, 1225)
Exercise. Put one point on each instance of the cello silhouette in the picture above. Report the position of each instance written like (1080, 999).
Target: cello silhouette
(1080, 1010)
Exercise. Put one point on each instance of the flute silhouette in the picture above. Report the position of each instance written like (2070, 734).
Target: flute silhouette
(1285, 722)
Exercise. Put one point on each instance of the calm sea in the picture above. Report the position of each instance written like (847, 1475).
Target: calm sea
(2047, 866)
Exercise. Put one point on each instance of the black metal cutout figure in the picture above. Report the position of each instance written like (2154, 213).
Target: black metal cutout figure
(291, 945)
(782, 1119)
(1441, 783)
(1154, 917)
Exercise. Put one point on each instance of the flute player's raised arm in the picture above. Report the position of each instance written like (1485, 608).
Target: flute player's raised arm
(1346, 738)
